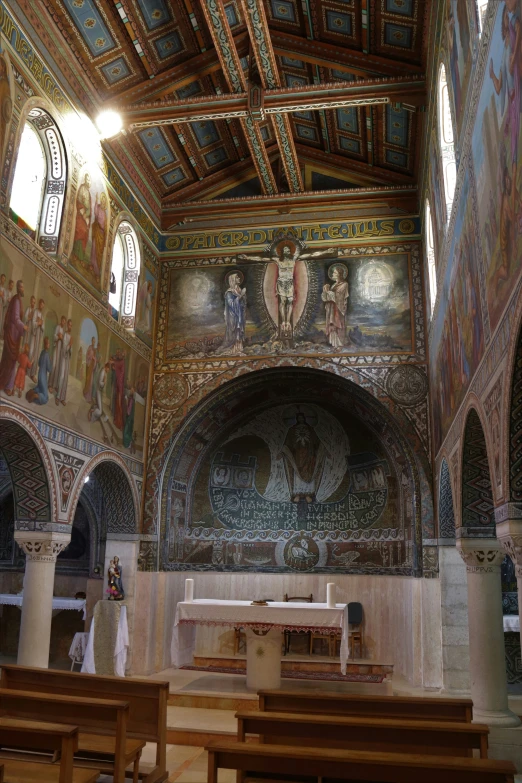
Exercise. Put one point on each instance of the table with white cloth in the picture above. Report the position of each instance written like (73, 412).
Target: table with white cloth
(59, 604)
(263, 626)
(511, 623)
(108, 642)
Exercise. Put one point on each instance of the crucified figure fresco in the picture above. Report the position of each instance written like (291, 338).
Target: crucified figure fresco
(285, 259)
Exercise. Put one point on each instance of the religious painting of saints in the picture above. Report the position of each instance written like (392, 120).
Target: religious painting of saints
(458, 341)
(6, 104)
(297, 487)
(64, 365)
(495, 150)
(291, 300)
(459, 45)
(145, 306)
(90, 227)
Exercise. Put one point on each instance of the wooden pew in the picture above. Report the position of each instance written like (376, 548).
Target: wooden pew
(405, 707)
(40, 737)
(390, 736)
(147, 699)
(91, 716)
(329, 764)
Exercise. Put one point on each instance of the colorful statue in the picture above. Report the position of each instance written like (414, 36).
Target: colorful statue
(115, 591)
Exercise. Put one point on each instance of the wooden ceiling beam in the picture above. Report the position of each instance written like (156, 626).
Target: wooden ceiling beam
(381, 200)
(340, 58)
(409, 91)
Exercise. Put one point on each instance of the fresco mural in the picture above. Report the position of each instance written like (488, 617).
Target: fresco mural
(458, 329)
(145, 306)
(90, 227)
(296, 487)
(59, 362)
(459, 46)
(6, 104)
(495, 152)
(291, 299)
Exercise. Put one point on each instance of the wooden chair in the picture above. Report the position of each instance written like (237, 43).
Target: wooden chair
(307, 762)
(307, 599)
(91, 716)
(371, 734)
(355, 628)
(37, 738)
(395, 707)
(147, 700)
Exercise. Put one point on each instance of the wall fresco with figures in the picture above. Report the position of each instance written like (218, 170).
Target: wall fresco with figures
(294, 300)
(64, 364)
(460, 27)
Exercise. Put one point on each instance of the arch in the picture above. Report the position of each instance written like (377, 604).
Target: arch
(125, 270)
(447, 145)
(120, 498)
(237, 402)
(30, 468)
(478, 518)
(38, 123)
(446, 513)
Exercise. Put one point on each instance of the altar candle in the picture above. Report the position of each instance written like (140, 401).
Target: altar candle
(330, 595)
(189, 591)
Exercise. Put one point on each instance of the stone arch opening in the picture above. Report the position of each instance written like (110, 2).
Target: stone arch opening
(105, 489)
(478, 518)
(234, 482)
(446, 512)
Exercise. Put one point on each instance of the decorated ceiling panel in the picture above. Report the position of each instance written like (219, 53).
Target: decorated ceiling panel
(218, 93)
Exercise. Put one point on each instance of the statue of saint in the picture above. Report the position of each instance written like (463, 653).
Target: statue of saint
(115, 572)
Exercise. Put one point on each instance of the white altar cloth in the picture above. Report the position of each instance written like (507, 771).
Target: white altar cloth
(511, 623)
(58, 603)
(292, 616)
(120, 650)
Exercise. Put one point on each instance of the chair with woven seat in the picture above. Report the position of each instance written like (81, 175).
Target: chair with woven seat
(307, 599)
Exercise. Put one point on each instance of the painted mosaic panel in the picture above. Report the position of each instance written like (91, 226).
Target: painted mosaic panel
(515, 428)
(446, 514)
(477, 498)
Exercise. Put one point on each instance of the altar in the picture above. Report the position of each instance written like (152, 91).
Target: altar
(263, 627)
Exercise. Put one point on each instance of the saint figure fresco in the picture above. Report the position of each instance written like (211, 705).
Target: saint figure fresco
(235, 307)
(335, 298)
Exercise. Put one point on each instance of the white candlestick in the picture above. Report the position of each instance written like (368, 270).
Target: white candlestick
(189, 591)
(330, 595)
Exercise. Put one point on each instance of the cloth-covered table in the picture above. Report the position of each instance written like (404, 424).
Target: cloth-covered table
(58, 603)
(511, 623)
(78, 647)
(108, 642)
(275, 616)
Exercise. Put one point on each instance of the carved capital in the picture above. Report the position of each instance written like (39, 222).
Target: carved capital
(42, 547)
(509, 533)
(482, 556)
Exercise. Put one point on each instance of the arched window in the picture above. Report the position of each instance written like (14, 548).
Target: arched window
(449, 167)
(430, 252)
(38, 191)
(125, 272)
(482, 7)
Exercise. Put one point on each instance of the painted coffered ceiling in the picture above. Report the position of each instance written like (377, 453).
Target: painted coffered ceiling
(256, 98)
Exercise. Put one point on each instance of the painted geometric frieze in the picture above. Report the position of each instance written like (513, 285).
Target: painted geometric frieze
(477, 500)
(446, 512)
(493, 408)
(515, 429)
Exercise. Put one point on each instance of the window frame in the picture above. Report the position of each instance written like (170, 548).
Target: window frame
(128, 236)
(430, 254)
(54, 186)
(447, 146)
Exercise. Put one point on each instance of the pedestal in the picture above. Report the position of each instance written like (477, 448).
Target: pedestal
(41, 550)
(263, 659)
(486, 632)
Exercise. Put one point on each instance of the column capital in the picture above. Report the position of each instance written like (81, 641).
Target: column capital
(481, 555)
(42, 547)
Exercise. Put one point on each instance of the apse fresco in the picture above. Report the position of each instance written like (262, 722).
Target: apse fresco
(90, 227)
(291, 299)
(62, 364)
(460, 54)
(496, 154)
(458, 329)
(298, 488)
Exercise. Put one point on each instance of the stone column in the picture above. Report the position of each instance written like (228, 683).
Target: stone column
(41, 550)
(486, 632)
(509, 532)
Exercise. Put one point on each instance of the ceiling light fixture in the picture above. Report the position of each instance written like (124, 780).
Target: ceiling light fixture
(109, 124)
